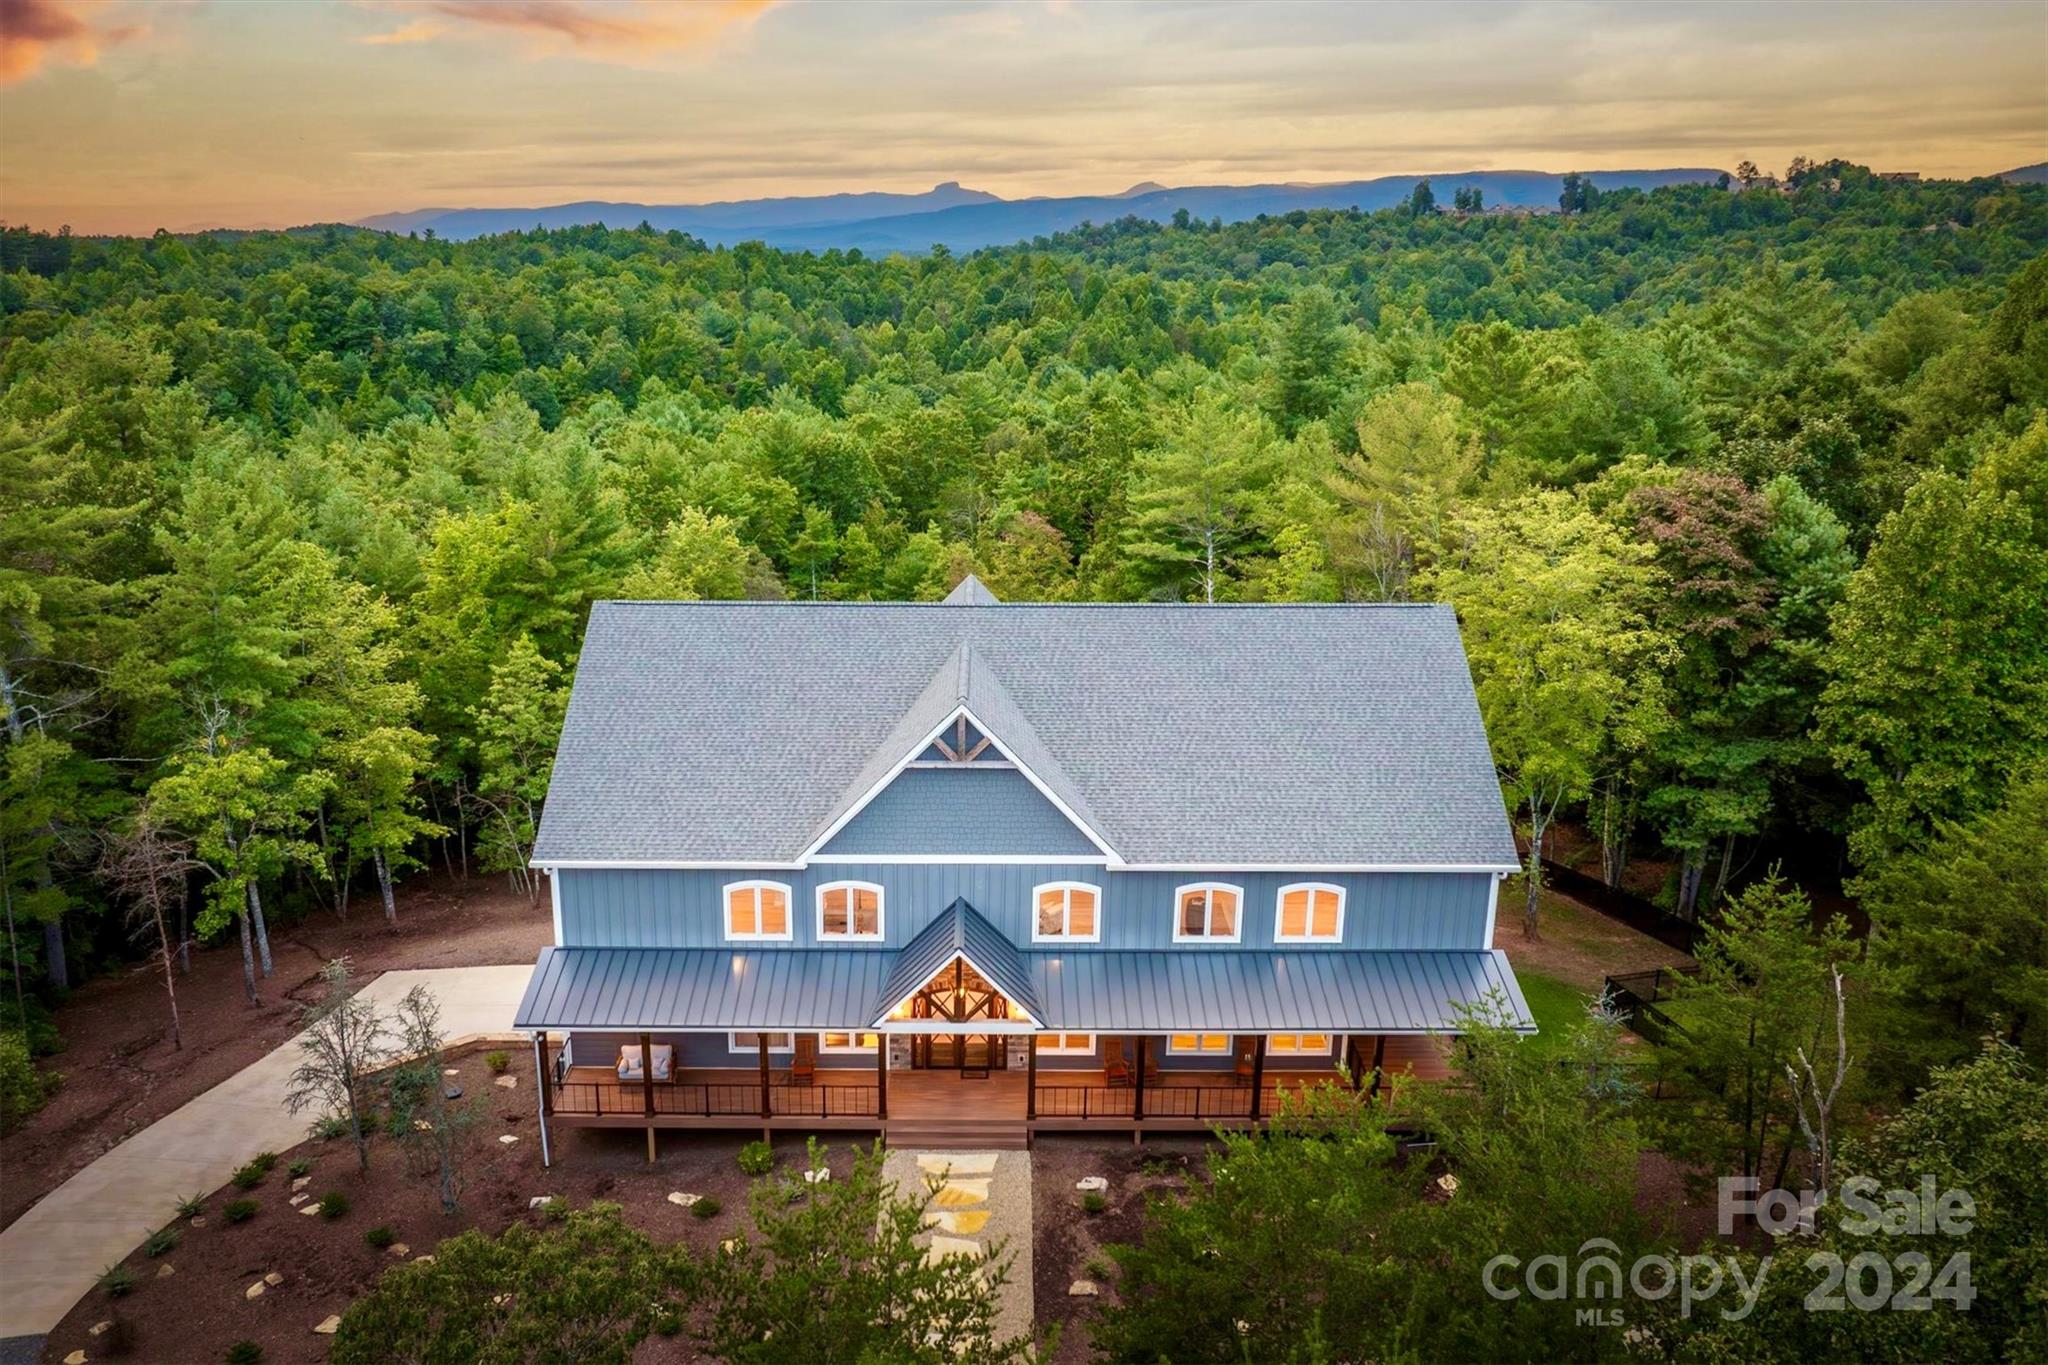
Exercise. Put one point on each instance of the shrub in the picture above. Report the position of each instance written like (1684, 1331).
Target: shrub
(240, 1210)
(299, 1167)
(264, 1162)
(380, 1236)
(244, 1352)
(160, 1241)
(117, 1280)
(757, 1158)
(247, 1177)
(22, 1088)
(1094, 1202)
(333, 1204)
(555, 1210)
(498, 1062)
(191, 1205)
(328, 1127)
(707, 1207)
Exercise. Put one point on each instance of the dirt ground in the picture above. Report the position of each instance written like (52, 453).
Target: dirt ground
(199, 1309)
(121, 1074)
(1580, 947)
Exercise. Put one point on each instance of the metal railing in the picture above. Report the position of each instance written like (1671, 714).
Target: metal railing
(1203, 1103)
(686, 1099)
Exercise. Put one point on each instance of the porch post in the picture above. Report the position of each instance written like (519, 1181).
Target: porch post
(1379, 1055)
(762, 1038)
(1258, 1074)
(1138, 1083)
(881, 1075)
(647, 1089)
(540, 1083)
(1031, 1080)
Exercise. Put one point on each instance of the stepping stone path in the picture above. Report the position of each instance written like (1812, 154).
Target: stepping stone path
(977, 1200)
(329, 1325)
(681, 1200)
(254, 1291)
(273, 1279)
(309, 1209)
(302, 1182)
(297, 1199)
(506, 1082)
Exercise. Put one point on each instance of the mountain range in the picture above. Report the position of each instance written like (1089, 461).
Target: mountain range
(963, 219)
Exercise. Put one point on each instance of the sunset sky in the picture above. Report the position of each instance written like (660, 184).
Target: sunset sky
(118, 116)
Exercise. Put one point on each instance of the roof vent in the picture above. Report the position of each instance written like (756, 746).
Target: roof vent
(972, 592)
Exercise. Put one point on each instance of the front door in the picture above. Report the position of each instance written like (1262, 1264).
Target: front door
(959, 994)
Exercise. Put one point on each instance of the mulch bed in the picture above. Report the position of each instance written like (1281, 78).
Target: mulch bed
(1067, 1241)
(199, 1310)
(121, 1073)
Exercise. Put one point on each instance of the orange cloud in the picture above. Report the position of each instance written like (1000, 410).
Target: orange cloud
(616, 32)
(36, 32)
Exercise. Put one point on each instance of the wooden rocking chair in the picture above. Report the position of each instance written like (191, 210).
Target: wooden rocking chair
(1116, 1070)
(803, 1067)
(1245, 1048)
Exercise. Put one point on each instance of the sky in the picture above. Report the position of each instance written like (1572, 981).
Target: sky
(130, 115)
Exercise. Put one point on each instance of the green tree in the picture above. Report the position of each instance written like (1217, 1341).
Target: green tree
(1554, 602)
(1416, 456)
(699, 557)
(1308, 358)
(518, 723)
(1191, 499)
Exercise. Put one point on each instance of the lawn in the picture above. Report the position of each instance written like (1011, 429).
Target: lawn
(1556, 1005)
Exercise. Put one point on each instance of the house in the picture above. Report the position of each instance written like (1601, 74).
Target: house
(966, 871)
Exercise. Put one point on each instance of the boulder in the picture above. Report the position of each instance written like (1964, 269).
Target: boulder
(681, 1200)
(328, 1325)
(254, 1291)
(1083, 1289)
(453, 1092)
(506, 1082)
(1092, 1184)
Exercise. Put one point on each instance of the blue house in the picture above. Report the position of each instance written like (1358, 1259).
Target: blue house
(964, 871)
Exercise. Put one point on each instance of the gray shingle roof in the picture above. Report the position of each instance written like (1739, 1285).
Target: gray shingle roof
(1273, 735)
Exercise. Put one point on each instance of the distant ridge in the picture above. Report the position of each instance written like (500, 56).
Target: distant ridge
(2036, 174)
(962, 219)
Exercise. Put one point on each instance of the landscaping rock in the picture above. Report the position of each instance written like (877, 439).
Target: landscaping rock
(254, 1291)
(818, 1177)
(728, 1244)
(681, 1200)
(75, 1358)
(1448, 1184)
(427, 1259)
(99, 1327)
(543, 1200)
(398, 1251)
(500, 1300)
(309, 1209)
(1092, 1184)
(453, 1092)
(508, 1138)
(302, 1182)
(329, 1325)
(298, 1199)
(273, 1279)
(166, 1270)
(1083, 1289)
(452, 1071)
(198, 1220)
(958, 1163)
(943, 1248)
(506, 1082)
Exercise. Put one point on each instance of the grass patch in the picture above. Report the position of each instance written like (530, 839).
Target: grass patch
(239, 1210)
(160, 1241)
(117, 1280)
(707, 1207)
(1094, 1202)
(1556, 1006)
(333, 1204)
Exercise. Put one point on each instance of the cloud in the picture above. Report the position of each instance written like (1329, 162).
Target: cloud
(34, 33)
(625, 32)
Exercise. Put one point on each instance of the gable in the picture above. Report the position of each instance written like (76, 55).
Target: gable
(962, 742)
(960, 808)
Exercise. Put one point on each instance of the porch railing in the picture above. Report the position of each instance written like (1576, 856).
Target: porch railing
(599, 1099)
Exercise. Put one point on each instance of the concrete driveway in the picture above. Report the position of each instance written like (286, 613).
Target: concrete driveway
(54, 1253)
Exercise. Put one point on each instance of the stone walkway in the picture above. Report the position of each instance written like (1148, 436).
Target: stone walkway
(53, 1254)
(979, 1200)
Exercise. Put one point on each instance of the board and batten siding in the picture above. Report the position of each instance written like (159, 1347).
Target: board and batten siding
(963, 808)
(683, 908)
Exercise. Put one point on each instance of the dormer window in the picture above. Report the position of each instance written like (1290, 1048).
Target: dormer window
(849, 910)
(1207, 912)
(1066, 912)
(756, 910)
(1310, 912)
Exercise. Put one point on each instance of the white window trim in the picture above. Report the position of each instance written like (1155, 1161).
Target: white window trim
(1046, 1049)
(725, 911)
(881, 912)
(1308, 924)
(1198, 1050)
(853, 1049)
(1043, 887)
(1326, 1051)
(1184, 888)
(733, 1043)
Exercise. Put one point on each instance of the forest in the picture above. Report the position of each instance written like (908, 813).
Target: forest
(1742, 499)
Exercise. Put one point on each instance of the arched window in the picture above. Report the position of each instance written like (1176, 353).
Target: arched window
(756, 910)
(1207, 912)
(1066, 912)
(1309, 912)
(849, 910)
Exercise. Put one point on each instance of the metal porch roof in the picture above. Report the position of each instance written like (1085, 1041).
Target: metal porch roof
(1086, 991)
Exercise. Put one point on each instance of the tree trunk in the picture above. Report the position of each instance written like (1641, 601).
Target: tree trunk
(184, 940)
(13, 944)
(340, 891)
(163, 942)
(1690, 873)
(384, 885)
(1617, 818)
(355, 1126)
(54, 962)
(1533, 909)
(248, 959)
(1721, 877)
(262, 931)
